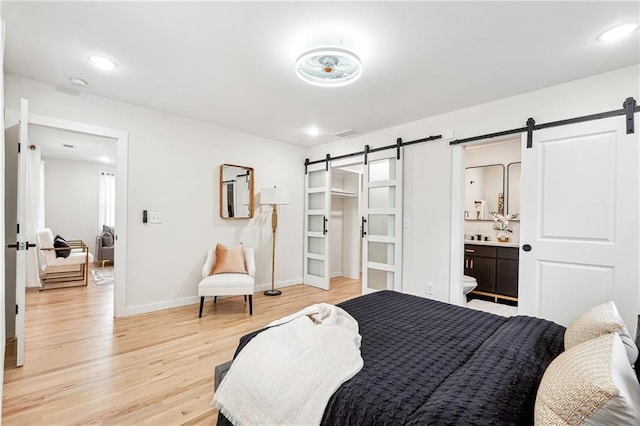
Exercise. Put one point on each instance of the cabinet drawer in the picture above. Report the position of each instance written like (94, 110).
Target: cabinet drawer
(476, 250)
(508, 253)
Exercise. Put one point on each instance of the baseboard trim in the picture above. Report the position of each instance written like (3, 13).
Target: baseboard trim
(169, 304)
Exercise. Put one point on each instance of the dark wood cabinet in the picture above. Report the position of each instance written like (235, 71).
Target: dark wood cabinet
(494, 268)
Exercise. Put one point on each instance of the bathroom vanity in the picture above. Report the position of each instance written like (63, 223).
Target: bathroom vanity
(494, 265)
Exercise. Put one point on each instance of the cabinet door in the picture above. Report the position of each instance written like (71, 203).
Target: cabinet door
(483, 269)
(507, 282)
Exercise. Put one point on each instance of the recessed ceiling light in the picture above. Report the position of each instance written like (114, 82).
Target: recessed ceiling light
(102, 62)
(78, 82)
(104, 159)
(618, 32)
(312, 131)
(329, 67)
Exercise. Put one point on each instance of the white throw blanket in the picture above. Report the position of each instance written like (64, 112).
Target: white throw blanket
(286, 374)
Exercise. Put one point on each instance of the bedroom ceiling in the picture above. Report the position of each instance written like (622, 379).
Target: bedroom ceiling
(232, 63)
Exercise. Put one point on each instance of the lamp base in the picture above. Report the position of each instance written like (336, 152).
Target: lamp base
(272, 292)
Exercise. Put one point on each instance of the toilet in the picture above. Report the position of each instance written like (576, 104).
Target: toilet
(469, 283)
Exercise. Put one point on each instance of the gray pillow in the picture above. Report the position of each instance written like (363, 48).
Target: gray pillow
(107, 239)
(109, 229)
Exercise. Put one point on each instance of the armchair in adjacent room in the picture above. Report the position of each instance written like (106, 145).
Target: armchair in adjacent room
(62, 260)
(105, 244)
(228, 272)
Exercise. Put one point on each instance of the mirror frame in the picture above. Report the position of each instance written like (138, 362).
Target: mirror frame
(507, 196)
(504, 195)
(251, 190)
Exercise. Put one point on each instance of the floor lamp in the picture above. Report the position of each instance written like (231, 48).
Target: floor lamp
(274, 197)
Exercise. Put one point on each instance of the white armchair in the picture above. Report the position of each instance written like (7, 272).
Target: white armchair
(54, 269)
(228, 284)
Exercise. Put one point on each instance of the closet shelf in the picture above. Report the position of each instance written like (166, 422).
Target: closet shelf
(342, 193)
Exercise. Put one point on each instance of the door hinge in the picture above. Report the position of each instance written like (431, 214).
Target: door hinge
(18, 147)
(17, 228)
(17, 309)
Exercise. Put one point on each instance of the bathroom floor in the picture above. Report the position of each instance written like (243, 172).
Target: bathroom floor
(494, 308)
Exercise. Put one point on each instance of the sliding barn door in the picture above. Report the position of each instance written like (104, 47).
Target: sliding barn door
(317, 211)
(579, 227)
(382, 222)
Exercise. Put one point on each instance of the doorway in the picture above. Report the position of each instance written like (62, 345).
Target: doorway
(491, 224)
(345, 242)
(15, 292)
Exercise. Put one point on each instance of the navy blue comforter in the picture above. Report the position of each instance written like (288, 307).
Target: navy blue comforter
(432, 363)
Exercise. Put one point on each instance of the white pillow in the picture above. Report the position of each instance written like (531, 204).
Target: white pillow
(599, 320)
(590, 384)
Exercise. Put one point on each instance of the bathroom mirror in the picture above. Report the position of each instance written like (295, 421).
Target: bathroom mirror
(236, 192)
(484, 191)
(513, 188)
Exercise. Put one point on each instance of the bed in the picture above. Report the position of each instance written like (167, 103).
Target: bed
(428, 362)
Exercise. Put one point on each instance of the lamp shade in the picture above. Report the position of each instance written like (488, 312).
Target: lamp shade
(274, 196)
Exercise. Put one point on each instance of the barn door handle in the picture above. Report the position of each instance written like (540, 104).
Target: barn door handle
(526, 247)
(362, 231)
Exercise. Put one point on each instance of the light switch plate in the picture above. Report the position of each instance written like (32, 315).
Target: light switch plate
(155, 217)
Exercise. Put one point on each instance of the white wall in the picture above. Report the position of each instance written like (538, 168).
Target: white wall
(336, 234)
(71, 198)
(428, 172)
(174, 169)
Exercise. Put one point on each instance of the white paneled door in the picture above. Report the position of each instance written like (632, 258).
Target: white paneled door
(317, 212)
(20, 245)
(382, 222)
(579, 221)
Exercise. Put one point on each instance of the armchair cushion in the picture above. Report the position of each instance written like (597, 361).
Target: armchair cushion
(229, 260)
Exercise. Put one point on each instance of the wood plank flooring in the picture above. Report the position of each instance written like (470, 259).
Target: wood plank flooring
(84, 367)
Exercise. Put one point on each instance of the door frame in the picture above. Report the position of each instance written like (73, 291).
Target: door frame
(121, 139)
(456, 267)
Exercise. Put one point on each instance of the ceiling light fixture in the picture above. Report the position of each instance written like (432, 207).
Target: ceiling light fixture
(312, 131)
(329, 67)
(618, 32)
(78, 82)
(102, 62)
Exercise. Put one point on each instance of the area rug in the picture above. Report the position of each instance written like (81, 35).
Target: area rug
(102, 276)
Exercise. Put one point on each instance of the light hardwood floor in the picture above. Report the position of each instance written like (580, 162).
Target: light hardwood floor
(84, 367)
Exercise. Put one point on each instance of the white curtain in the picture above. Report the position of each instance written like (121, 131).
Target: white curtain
(106, 200)
(35, 212)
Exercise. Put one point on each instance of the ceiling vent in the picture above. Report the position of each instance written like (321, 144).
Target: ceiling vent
(68, 145)
(346, 133)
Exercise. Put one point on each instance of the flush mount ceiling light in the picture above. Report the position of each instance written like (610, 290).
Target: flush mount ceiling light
(618, 32)
(102, 62)
(78, 82)
(329, 67)
(312, 131)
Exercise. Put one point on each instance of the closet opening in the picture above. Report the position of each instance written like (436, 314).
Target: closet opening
(345, 242)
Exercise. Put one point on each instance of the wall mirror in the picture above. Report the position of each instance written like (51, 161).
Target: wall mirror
(484, 191)
(513, 188)
(236, 192)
